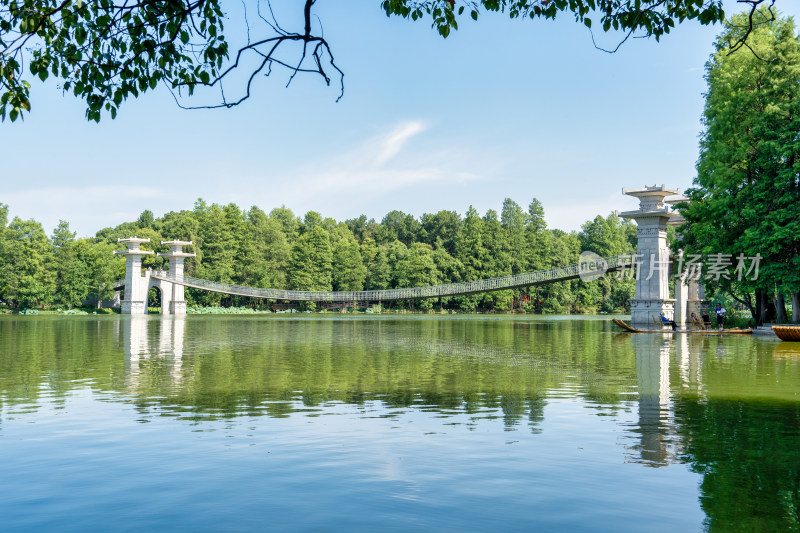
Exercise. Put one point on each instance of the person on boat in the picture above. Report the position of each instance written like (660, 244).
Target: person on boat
(720, 315)
(667, 322)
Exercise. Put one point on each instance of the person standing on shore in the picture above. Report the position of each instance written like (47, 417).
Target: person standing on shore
(720, 315)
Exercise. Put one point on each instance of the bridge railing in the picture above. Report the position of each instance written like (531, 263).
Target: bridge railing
(433, 291)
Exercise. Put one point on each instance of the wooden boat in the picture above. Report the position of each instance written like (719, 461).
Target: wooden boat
(732, 331)
(787, 333)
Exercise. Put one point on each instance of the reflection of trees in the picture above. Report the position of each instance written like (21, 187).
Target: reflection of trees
(726, 406)
(741, 430)
(748, 454)
(53, 355)
(227, 367)
(500, 369)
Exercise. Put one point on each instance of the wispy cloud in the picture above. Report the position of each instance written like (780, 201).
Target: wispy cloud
(379, 165)
(389, 145)
(407, 165)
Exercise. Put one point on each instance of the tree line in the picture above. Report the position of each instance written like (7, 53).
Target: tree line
(282, 250)
(746, 196)
(745, 200)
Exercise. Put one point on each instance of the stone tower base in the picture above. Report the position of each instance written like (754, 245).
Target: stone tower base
(134, 307)
(643, 311)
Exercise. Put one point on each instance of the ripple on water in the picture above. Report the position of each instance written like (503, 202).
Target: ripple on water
(392, 424)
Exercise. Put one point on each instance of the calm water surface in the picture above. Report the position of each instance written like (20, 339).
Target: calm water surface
(417, 423)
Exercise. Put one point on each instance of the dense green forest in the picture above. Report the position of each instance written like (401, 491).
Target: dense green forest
(746, 196)
(282, 250)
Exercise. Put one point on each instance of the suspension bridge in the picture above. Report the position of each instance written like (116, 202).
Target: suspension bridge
(516, 281)
(652, 289)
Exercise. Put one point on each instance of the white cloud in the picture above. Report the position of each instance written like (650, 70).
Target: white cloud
(378, 166)
(368, 176)
(391, 144)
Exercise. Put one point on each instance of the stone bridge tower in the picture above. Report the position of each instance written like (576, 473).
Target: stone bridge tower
(138, 283)
(172, 301)
(653, 254)
(134, 301)
(689, 292)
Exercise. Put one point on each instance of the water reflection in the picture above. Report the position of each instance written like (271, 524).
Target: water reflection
(654, 424)
(787, 350)
(277, 368)
(165, 343)
(728, 407)
(689, 351)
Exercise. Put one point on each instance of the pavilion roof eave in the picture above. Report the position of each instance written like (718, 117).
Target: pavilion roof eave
(677, 200)
(136, 251)
(648, 214)
(177, 254)
(655, 190)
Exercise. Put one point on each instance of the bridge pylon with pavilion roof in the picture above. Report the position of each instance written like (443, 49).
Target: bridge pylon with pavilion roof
(134, 301)
(172, 293)
(652, 276)
(654, 263)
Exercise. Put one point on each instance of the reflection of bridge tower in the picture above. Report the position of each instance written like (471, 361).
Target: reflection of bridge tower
(171, 344)
(136, 286)
(652, 275)
(172, 301)
(652, 370)
(139, 336)
(690, 367)
(135, 343)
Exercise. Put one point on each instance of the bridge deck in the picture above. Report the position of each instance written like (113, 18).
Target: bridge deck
(515, 281)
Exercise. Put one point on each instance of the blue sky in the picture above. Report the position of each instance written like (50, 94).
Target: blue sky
(500, 109)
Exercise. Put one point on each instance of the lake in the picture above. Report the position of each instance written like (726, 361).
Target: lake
(393, 423)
